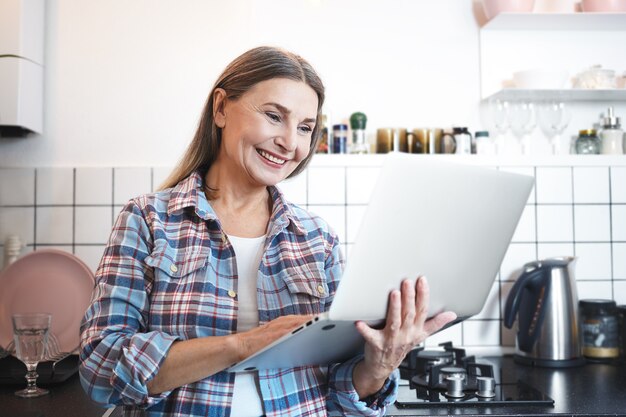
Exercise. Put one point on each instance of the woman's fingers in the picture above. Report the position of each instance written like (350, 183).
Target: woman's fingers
(421, 300)
(394, 312)
(437, 322)
(408, 302)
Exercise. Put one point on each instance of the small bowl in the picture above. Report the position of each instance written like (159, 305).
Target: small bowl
(546, 79)
(494, 7)
(603, 6)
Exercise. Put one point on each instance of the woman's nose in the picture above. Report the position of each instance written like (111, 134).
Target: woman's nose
(288, 139)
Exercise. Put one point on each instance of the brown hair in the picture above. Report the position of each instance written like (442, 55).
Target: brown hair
(256, 65)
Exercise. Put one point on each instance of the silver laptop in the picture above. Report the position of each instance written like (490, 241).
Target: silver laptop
(450, 222)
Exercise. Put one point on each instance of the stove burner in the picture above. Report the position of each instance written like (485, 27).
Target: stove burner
(451, 377)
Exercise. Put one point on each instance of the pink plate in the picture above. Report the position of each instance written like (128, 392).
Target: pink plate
(47, 281)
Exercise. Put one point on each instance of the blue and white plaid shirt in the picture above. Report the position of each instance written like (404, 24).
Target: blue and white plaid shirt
(166, 275)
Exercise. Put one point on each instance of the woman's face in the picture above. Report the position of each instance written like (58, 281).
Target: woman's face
(266, 132)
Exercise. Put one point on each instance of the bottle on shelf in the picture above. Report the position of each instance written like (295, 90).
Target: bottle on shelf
(323, 146)
(611, 135)
(359, 144)
(340, 138)
(484, 144)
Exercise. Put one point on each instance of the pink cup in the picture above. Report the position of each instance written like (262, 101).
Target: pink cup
(494, 7)
(606, 6)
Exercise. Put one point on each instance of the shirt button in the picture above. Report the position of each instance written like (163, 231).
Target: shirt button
(174, 268)
(320, 289)
(232, 293)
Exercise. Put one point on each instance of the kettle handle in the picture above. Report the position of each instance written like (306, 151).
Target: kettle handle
(515, 296)
(537, 283)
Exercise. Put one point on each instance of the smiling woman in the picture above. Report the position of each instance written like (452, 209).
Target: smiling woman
(217, 265)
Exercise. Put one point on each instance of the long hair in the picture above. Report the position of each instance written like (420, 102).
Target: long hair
(247, 70)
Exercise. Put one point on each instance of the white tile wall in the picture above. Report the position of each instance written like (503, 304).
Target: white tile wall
(327, 185)
(618, 184)
(17, 221)
(93, 225)
(619, 260)
(591, 185)
(294, 189)
(526, 228)
(17, 186)
(516, 256)
(130, 183)
(594, 289)
(594, 261)
(554, 250)
(90, 255)
(335, 216)
(54, 225)
(554, 223)
(55, 186)
(619, 291)
(94, 186)
(481, 333)
(579, 210)
(360, 182)
(592, 223)
(619, 222)
(554, 185)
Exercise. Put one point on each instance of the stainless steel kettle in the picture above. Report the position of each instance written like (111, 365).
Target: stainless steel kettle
(545, 302)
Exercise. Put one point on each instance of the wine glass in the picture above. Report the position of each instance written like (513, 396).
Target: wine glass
(554, 116)
(523, 122)
(30, 333)
(498, 111)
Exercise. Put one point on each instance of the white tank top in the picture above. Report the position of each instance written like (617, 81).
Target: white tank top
(248, 252)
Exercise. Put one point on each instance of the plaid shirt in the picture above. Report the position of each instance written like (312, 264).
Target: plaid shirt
(166, 275)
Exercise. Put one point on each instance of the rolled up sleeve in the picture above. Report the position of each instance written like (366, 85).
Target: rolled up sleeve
(345, 399)
(119, 356)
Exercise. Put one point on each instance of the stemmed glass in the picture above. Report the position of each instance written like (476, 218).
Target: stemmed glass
(523, 121)
(554, 116)
(499, 115)
(30, 333)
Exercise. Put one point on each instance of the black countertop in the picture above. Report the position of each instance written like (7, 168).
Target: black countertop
(590, 390)
(594, 389)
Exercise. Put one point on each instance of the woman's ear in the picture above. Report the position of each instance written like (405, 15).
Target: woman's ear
(219, 104)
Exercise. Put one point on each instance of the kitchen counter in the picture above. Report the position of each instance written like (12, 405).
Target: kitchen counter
(591, 390)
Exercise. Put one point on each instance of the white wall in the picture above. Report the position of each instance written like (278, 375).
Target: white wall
(126, 81)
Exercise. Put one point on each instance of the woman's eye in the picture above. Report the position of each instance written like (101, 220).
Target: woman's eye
(273, 116)
(305, 129)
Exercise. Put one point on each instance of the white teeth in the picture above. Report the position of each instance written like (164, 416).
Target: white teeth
(272, 158)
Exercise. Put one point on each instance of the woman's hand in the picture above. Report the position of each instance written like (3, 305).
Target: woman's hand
(257, 338)
(406, 326)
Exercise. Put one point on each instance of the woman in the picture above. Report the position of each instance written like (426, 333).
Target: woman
(217, 265)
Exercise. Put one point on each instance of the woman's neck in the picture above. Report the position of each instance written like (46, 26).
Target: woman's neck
(243, 209)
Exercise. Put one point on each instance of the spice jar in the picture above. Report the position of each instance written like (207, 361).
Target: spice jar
(587, 142)
(600, 329)
(340, 138)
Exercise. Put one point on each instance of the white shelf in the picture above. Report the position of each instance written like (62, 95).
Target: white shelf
(564, 95)
(376, 160)
(558, 21)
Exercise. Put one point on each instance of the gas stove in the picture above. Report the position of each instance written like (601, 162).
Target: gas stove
(448, 377)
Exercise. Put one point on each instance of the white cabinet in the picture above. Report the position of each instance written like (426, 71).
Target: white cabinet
(21, 66)
(573, 42)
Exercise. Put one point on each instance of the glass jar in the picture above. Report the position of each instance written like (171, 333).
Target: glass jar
(340, 138)
(600, 329)
(587, 142)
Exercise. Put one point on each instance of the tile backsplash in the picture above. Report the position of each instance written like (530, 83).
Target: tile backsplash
(575, 209)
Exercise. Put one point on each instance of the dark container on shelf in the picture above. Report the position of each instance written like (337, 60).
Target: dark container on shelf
(599, 324)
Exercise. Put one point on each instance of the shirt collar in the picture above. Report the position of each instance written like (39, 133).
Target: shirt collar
(190, 193)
